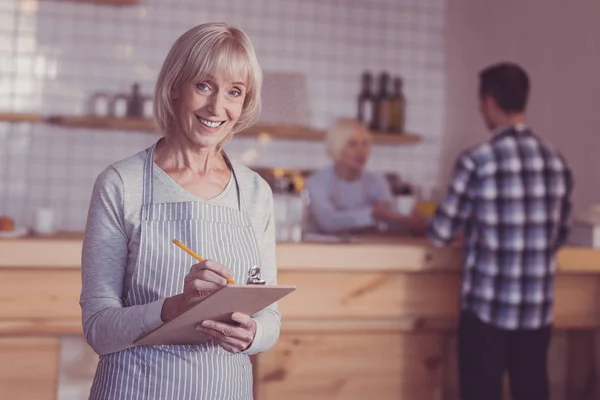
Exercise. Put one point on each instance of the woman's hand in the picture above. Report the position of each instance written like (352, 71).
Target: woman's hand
(417, 223)
(382, 211)
(233, 338)
(203, 279)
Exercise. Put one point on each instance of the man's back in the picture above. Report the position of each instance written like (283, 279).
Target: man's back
(519, 195)
(513, 194)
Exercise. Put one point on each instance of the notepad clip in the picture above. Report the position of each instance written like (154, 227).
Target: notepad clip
(254, 277)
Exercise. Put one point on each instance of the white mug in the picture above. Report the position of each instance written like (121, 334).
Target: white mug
(405, 204)
(43, 221)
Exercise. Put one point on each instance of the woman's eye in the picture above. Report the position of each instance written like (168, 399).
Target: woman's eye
(235, 92)
(202, 86)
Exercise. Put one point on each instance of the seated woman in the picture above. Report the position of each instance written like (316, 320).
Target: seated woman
(345, 197)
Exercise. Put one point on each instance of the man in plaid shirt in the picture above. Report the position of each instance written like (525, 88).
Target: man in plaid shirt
(512, 196)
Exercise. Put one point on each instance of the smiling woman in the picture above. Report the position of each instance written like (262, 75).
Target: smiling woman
(183, 187)
(208, 73)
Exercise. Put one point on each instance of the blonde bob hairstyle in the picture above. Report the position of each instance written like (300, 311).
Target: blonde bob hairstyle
(340, 133)
(199, 54)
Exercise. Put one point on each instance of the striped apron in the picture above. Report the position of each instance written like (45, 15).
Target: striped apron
(181, 372)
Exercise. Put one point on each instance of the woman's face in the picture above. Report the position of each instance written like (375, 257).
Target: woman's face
(209, 109)
(355, 153)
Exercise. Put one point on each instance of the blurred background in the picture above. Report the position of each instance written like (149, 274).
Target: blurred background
(57, 55)
(76, 80)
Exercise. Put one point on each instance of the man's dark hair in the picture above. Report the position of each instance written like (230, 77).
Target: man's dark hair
(506, 83)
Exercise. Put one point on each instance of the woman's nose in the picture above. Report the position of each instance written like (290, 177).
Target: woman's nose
(215, 104)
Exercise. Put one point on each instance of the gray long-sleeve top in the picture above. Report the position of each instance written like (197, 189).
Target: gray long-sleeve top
(337, 205)
(112, 241)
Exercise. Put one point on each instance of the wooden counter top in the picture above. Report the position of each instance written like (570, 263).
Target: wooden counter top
(383, 311)
(368, 254)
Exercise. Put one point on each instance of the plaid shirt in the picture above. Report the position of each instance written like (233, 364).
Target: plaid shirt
(512, 194)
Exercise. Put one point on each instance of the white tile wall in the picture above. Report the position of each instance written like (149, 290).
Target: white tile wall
(54, 54)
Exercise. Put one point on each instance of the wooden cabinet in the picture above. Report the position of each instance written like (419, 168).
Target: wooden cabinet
(367, 322)
(356, 334)
(338, 365)
(29, 367)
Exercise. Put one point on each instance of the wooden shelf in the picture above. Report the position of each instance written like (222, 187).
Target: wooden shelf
(267, 131)
(112, 2)
(260, 130)
(394, 138)
(21, 117)
(127, 124)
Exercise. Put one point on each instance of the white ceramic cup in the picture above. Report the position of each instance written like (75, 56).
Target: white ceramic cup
(44, 221)
(405, 204)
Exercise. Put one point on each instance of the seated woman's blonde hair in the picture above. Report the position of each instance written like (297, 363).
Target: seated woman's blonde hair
(340, 133)
(199, 54)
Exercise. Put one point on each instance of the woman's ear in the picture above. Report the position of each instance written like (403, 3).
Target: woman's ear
(174, 94)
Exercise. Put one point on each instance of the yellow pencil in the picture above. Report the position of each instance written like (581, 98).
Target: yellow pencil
(196, 256)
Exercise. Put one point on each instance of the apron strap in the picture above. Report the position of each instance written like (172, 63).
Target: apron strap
(148, 174)
(240, 195)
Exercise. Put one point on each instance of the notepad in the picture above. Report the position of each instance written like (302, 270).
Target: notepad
(218, 306)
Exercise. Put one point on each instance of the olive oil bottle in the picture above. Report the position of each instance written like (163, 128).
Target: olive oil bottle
(382, 120)
(366, 100)
(398, 108)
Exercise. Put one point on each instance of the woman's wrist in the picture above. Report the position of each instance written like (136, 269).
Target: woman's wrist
(171, 307)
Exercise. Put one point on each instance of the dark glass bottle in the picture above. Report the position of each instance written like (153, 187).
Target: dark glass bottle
(366, 100)
(398, 108)
(382, 105)
(135, 103)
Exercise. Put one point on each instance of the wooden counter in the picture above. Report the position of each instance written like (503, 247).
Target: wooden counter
(370, 319)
